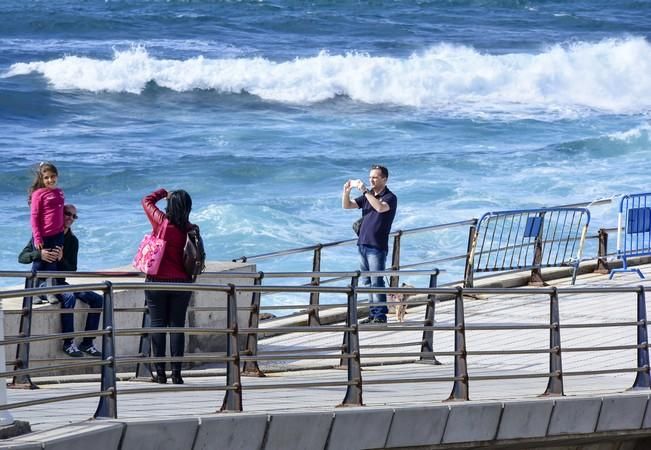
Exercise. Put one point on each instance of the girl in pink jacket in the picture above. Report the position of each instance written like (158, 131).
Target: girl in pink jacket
(46, 202)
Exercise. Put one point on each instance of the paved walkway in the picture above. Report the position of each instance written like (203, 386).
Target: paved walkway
(414, 387)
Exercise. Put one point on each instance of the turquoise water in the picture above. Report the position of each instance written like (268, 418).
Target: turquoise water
(262, 110)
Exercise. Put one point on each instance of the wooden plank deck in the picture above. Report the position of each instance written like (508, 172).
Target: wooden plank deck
(497, 309)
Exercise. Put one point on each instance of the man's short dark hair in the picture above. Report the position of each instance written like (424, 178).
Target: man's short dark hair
(384, 170)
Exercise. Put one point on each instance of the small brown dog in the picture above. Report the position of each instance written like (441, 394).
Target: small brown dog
(400, 308)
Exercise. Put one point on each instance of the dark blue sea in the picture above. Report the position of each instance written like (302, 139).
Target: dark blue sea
(263, 109)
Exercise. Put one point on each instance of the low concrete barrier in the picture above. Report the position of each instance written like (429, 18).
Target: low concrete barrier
(525, 419)
(238, 431)
(360, 428)
(418, 426)
(563, 423)
(45, 319)
(147, 434)
(298, 431)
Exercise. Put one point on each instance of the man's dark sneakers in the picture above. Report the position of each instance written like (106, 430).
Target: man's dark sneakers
(372, 320)
(90, 349)
(72, 350)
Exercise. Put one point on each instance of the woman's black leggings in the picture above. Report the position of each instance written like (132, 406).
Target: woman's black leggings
(167, 309)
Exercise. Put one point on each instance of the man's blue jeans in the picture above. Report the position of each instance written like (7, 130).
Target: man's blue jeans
(372, 259)
(68, 300)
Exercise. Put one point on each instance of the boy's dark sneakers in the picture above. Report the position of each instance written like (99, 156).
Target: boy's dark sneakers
(72, 350)
(90, 349)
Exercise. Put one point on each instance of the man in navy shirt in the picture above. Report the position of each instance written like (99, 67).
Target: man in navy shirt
(378, 206)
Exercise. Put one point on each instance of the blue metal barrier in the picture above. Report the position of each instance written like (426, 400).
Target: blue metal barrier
(633, 230)
(528, 239)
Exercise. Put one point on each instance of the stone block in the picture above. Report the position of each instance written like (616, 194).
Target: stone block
(525, 419)
(235, 431)
(20, 446)
(98, 435)
(156, 434)
(622, 412)
(416, 426)
(574, 416)
(298, 431)
(472, 422)
(48, 320)
(359, 428)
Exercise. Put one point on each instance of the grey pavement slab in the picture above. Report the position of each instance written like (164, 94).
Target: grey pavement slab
(528, 419)
(418, 426)
(298, 431)
(574, 416)
(472, 423)
(359, 428)
(98, 435)
(172, 433)
(623, 412)
(234, 431)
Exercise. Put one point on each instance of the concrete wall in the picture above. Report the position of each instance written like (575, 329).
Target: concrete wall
(46, 317)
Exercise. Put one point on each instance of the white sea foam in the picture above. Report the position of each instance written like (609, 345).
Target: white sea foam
(643, 132)
(612, 76)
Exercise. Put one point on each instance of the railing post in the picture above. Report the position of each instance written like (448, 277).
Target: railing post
(313, 310)
(394, 280)
(7, 421)
(143, 370)
(427, 345)
(354, 282)
(460, 387)
(555, 383)
(642, 380)
(251, 368)
(468, 270)
(536, 273)
(353, 395)
(107, 407)
(602, 254)
(25, 330)
(233, 395)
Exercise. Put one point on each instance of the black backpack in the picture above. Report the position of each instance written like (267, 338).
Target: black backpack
(194, 255)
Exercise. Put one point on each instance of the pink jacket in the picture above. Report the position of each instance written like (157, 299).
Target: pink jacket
(171, 267)
(46, 213)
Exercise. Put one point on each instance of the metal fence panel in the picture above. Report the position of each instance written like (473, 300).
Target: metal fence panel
(633, 229)
(529, 239)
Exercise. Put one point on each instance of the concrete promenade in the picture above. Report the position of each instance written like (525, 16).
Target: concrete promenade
(402, 408)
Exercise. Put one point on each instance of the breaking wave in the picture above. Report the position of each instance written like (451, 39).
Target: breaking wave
(610, 76)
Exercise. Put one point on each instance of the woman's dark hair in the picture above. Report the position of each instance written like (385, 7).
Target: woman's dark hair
(38, 183)
(179, 205)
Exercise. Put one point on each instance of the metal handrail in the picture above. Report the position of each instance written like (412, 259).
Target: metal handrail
(410, 231)
(233, 388)
(313, 247)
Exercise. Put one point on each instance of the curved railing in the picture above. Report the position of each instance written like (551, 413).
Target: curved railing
(397, 236)
(350, 354)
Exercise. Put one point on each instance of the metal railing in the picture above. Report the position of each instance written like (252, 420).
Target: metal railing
(352, 352)
(633, 230)
(143, 368)
(440, 262)
(528, 239)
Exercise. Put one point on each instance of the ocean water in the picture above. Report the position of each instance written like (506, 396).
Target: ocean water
(263, 109)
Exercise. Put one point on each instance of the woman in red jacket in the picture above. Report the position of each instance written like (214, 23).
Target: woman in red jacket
(168, 308)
